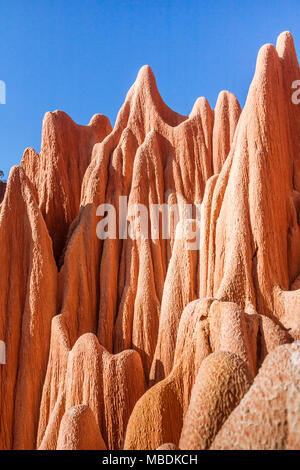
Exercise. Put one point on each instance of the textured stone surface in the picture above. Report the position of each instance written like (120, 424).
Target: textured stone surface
(79, 430)
(221, 383)
(226, 116)
(28, 285)
(166, 447)
(268, 416)
(58, 171)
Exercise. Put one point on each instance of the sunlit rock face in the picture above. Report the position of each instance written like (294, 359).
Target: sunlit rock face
(141, 342)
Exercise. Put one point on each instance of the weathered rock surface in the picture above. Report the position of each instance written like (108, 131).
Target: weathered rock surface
(79, 430)
(226, 116)
(58, 171)
(109, 385)
(139, 341)
(28, 286)
(268, 416)
(222, 381)
(166, 447)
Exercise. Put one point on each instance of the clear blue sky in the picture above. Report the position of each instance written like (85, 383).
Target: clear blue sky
(82, 56)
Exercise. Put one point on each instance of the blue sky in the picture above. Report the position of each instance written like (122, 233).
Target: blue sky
(82, 56)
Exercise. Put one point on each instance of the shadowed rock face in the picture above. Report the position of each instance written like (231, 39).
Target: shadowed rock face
(142, 343)
(2, 190)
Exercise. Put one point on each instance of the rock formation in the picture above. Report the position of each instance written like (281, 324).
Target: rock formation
(58, 171)
(28, 286)
(222, 381)
(79, 430)
(2, 190)
(268, 415)
(140, 340)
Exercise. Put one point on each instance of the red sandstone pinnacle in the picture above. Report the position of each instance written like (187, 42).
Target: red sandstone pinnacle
(58, 171)
(28, 285)
(226, 116)
(251, 255)
(123, 314)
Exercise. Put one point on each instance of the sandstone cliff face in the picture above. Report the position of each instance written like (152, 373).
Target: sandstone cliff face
(140, 342)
